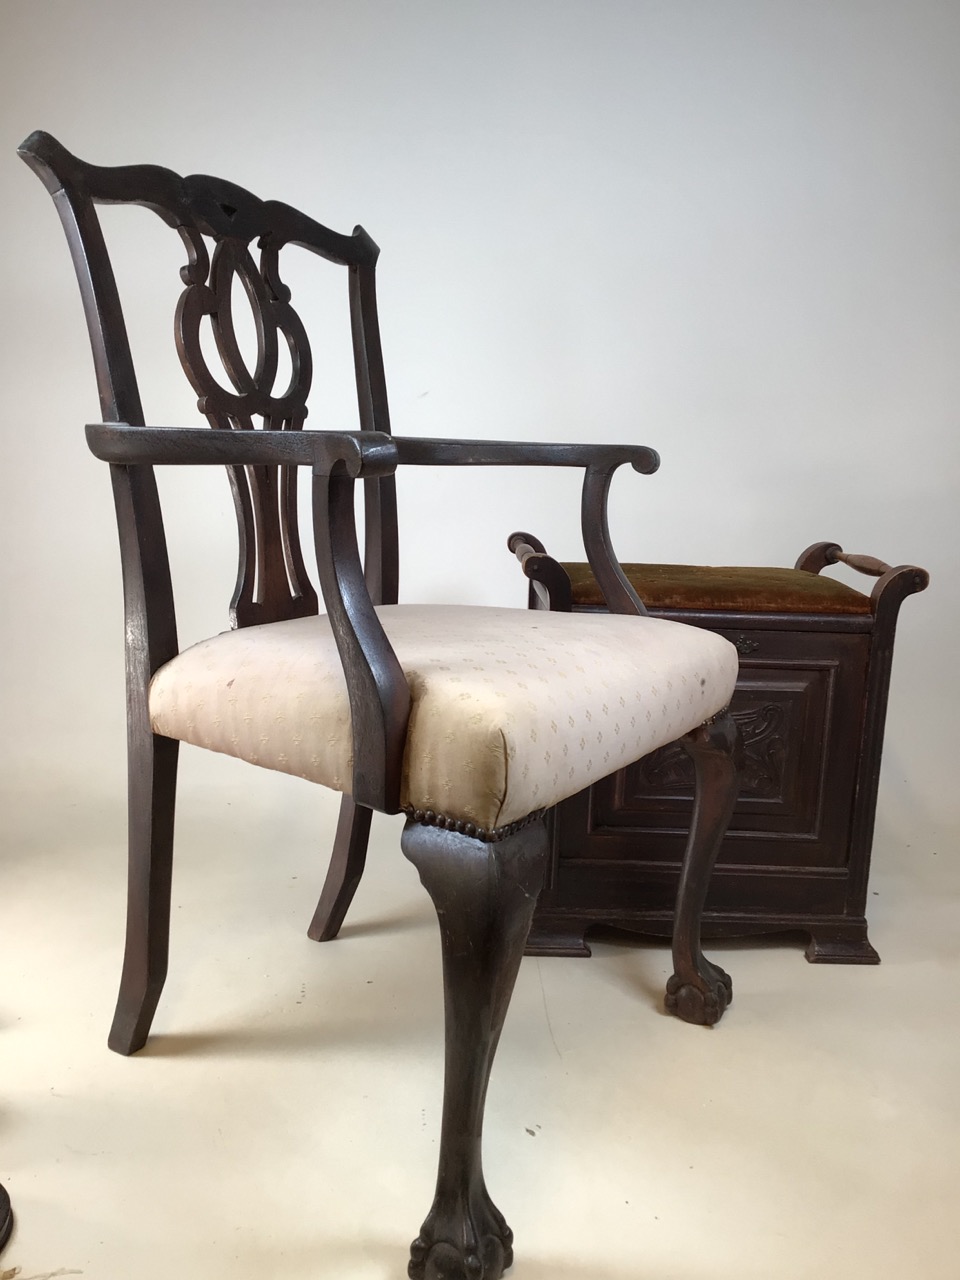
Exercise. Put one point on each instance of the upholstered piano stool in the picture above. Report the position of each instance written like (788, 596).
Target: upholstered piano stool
(811, 702)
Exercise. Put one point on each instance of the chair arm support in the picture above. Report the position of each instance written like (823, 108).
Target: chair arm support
(617, 591)
(599, 461)
(522, 453)
(364, 453)
(376, 685)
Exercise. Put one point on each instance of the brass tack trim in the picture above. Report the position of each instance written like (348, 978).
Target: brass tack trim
(427, 818)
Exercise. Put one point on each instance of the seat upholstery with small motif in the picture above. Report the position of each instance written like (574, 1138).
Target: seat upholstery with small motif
(511, 711)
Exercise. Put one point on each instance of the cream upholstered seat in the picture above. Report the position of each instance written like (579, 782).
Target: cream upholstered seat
(473, 721)
(511, 712)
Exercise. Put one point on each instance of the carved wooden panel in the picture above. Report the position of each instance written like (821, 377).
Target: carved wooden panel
(765, 732)
(788, 858)
(777, 712)
(800, 721)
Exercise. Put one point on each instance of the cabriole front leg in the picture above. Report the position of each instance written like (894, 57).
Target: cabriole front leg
(484, 894)
(699, 991)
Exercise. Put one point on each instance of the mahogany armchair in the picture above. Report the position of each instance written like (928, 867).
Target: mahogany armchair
(473, 722)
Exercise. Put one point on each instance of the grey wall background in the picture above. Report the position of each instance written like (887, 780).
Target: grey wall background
(730, 230)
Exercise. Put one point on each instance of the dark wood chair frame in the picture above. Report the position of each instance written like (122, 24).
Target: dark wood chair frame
(484, 883)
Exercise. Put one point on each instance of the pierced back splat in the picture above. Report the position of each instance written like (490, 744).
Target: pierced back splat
(272, 581)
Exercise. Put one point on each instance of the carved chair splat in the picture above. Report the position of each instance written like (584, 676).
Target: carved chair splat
(383, 682)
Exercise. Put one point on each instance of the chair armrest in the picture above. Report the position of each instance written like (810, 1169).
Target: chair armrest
(599, 462)
(522, 453)
(362, 453)
(377, 687)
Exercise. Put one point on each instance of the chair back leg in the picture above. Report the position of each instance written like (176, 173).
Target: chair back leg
(345, 871)
(152, 788)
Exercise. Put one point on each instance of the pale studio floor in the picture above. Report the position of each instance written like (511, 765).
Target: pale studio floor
(282, 1123)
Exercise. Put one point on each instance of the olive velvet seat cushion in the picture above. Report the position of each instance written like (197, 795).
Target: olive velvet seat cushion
(726, 589)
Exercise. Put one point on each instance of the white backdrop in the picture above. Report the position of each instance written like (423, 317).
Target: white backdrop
(729, 230)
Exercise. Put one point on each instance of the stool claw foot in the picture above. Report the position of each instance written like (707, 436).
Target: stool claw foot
(703, 1000)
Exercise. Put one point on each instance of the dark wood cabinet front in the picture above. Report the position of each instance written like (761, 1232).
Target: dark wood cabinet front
(815, 661)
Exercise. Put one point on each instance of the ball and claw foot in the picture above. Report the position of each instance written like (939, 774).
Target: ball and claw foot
(702, 1001)
(486, 1253)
